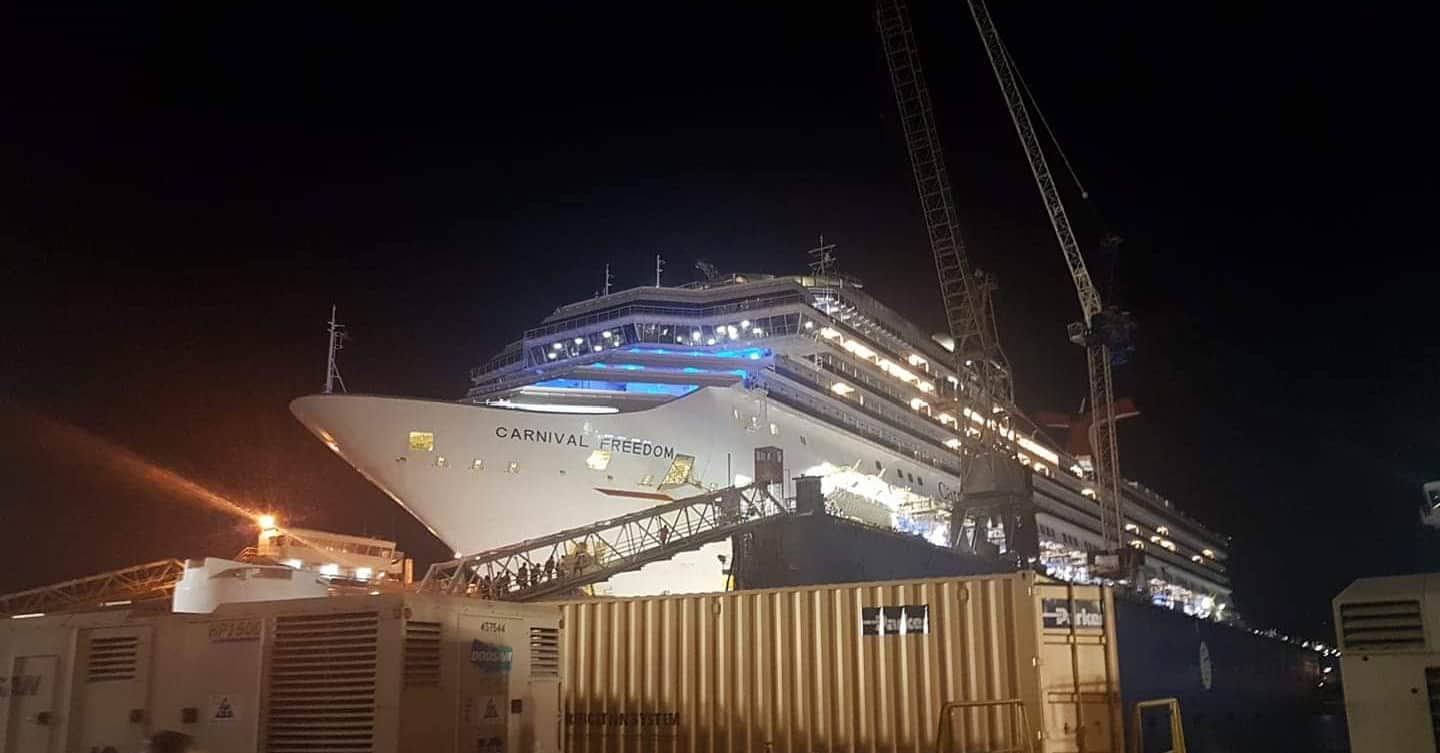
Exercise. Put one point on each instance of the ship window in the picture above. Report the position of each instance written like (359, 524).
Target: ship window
(802, 441)
(878, 467)
(514, 467)
(422, 441)
(679, 471)
(440, 461)
(647, 480)
(774, 430)
(599, 460)
(477, 465)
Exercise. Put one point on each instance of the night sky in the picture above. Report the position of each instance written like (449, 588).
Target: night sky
(182, 198)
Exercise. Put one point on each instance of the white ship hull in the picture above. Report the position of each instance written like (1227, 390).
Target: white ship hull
(497, 476)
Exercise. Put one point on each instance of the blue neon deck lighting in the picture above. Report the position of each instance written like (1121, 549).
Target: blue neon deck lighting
(752, 354)
(638, 388)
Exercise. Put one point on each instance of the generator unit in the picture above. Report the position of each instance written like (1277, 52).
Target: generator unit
(383, 673)
(1390, 662)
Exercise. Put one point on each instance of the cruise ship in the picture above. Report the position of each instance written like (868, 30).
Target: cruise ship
(651, 394)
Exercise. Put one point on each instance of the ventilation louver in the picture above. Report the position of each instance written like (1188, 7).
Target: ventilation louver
(112, 658)
(544, 652)
(1382, 626)
(422, 654)
(322, 683)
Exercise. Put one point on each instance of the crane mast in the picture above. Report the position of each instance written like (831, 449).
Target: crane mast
(994, 487)
(1101, 328)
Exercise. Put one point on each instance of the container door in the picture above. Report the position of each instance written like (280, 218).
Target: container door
(111, 699)
(32, 688)
(1078, 678)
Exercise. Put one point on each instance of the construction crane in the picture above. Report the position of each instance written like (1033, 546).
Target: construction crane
(966, 292)
(1104, 331)
(994, 488)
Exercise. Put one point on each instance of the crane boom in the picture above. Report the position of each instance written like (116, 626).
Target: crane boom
(1090, 303)
(965, 291)
(1096, 331)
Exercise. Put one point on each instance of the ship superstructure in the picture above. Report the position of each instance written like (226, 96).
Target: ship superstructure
(651, 394)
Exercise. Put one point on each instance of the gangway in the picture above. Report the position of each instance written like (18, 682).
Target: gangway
(562, 562)
(151, 580)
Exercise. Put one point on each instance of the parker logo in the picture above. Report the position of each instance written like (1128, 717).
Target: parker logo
(911, 619)
(1081, 613)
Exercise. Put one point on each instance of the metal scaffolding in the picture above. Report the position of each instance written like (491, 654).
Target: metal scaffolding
(563, 562)
(151, 580)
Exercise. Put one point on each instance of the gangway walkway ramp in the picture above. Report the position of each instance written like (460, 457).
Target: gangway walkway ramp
(562, 562)
(151, 580)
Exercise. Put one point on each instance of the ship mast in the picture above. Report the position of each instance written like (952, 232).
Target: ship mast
(337, 342)
(824, 260)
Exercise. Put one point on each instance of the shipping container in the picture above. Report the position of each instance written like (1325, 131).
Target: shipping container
(1262, 690)
(868, 666)
(387, 673)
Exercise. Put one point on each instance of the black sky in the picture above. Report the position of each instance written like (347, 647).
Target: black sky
(183, 195)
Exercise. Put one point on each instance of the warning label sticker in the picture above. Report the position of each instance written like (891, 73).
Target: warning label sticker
(222, 709)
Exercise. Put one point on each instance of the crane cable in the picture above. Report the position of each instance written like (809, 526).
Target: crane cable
(1045, 123)
(1108, 238)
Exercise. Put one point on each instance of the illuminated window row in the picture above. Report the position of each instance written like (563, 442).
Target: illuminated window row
(920, 403)
(678, 332)
(1159, 539)
(844, 389)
